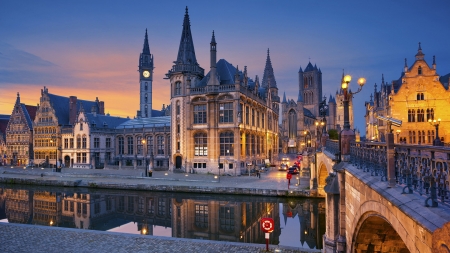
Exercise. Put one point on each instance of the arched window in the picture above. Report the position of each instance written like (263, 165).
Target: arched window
(419, 70)
(200, 144)
(414, 137)
(305, 82)
(130, 145)
(292, 124)
(178, 88)
(146, 86)
(160, 144)
(139, 145)
(432, 113)
(419, 134)
(420, 115)
(150, 144)
(227, 143)
(423, 137)
(411, 115)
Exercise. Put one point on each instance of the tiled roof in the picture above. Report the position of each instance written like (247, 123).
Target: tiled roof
(445, 80)
(4, 119)
(28, 117)
(146, 122)
(105, 120)
(61, 106)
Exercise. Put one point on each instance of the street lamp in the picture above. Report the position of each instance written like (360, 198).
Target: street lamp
(55, 141)
(437, 141)
(398, 133)
(346, 133)
(306, 133)
(145, 156)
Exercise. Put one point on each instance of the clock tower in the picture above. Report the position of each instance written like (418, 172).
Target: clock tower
(145, 79)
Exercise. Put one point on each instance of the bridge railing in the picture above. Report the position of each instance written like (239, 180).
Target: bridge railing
(418, 168)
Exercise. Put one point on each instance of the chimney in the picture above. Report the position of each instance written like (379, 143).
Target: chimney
(101, 108)
(73, 111)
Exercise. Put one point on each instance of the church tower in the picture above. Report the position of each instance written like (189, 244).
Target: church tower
(145, 79)
(310, 84)
(270, 84)
(184, 75)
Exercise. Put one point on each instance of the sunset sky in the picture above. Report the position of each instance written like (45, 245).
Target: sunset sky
(91, 49)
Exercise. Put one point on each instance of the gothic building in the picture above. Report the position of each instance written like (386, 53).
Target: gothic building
(4, 119)
(145, 80)
(19, 134)
(419, 95)
(224, 121)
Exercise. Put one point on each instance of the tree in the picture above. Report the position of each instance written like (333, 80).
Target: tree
(333, 134)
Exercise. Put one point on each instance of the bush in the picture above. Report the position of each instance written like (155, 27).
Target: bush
(333, 134)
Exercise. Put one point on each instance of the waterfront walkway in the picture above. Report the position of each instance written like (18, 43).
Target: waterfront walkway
(24, 238)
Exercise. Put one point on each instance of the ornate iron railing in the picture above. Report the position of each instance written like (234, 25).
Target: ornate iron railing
(418, 168)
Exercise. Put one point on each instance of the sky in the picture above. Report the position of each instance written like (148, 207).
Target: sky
(91, 49)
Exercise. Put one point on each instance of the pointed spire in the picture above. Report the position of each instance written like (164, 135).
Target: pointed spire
(300, 71)
(300, 97)
(434, 61)
(382, 79)
(371, 97)
(375, 88)
(18, 98)
(420, 55)
(405, 68)
(268, 80)
(186, 52)
(237, 79)
(284, 97)
(146, 49)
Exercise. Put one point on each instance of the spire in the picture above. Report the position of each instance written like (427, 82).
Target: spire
(434, 61)
(186, 52)
(420, 55)
(146, 49)
(375, 88)
(18, 98)
(213, 77)
(371, 97)
(405, 68)
(268, 80)
(284, 97)
(382, 79)
(300, 71)
(300, 97)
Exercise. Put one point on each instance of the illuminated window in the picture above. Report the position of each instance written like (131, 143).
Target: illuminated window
(130, 145)
(226, 112)
(199, 114)
(201, 216)
(227, 143)
(160, 144)
(200, 144)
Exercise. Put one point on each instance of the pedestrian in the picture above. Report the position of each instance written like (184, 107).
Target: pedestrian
(258, 174)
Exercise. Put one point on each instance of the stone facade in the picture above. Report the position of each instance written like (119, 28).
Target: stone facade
(4, 119)
(419, 95)
(19, 134)
(224, 121)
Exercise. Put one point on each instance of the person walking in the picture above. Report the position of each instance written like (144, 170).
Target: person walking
(258, 174)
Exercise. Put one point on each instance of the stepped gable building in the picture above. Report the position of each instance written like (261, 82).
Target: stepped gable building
(55, 115)
(299, 117)
(4, 119)
(224, 121)
(19, 134)
(419, 95)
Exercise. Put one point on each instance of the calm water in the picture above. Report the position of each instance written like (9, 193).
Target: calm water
(299, 222)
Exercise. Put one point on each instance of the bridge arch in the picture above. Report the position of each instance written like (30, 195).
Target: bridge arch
(376, 227)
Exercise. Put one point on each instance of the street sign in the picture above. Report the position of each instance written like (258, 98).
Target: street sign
(267, 225)
(288, 176)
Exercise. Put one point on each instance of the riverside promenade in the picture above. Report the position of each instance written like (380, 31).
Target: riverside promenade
(25, 238)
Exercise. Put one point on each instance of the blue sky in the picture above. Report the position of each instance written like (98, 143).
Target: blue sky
(91, 48)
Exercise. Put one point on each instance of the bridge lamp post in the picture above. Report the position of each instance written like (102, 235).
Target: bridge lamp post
(398, 133)
(437, 141)
(307, 142)
(348, 134)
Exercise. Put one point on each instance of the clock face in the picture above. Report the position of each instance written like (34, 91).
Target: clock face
(146, 73)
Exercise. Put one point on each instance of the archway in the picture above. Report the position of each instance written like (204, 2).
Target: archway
(67, 161)
(377, 235)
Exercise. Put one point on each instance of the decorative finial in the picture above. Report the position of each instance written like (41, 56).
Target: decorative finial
(434, 59)
(186, 10)
(406, 65)
(267, 51)
(420, 48)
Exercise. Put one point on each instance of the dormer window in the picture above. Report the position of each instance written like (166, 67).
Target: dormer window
(420, 96)
(419, 70)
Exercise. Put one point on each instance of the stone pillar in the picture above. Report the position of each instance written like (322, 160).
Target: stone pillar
(390, 160)
(346, 137)
(341, 241)
(331, 235)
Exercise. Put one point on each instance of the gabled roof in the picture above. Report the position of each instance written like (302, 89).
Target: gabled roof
(146, 122)
(30, 113)
(226, 72)
(61, 106)
(310, 67)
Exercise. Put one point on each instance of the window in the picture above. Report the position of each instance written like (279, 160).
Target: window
(66, 205)
(84, 141)
(66, 143)
(130, 207)
(292, 124)
(247, 115)
(150, 206)
(146, 86)
(201, 216)
(430, 114)
(200, 144)
(226, 112)
(411, 115)
(262, 120)
(84, 208)
(226, 218)
(78, 157)
(423, 137)
(121, 146)
(161, 207)
(257, 119)
(81, 126)
(178, 108)
(226, 144)
(108, 142)
(71, 206)
(160, 144)
(78, 142)
(420, 96)
(83, 157)
(71, 142)
(419, 70)
(253, 117)
(178, 88)
(199, 114)
(130, 145)
(420, 115)
(150, 144)
(96, 142)
(139, 145)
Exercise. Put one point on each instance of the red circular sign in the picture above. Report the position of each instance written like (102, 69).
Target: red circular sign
(267, 225)
(288, 175)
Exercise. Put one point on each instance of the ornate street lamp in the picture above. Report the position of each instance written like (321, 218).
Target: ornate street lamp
(346, 132)
(437, 141)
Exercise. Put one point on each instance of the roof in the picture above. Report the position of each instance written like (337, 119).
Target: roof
(4, 119)
(146, 122)
(105, 120)
(445, 80)
(27, 109)
(61, 106)
(226, 72)
(308, 113)
(268, 77)
(310, 67)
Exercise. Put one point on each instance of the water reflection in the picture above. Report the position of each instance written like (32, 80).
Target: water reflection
(209, 217)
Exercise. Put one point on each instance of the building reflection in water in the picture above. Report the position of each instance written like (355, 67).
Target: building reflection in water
(209, 217)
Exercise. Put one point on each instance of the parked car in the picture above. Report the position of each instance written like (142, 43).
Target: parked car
(293, 170)
(283, 167)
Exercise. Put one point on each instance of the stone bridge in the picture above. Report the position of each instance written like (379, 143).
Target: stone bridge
(367, 214)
